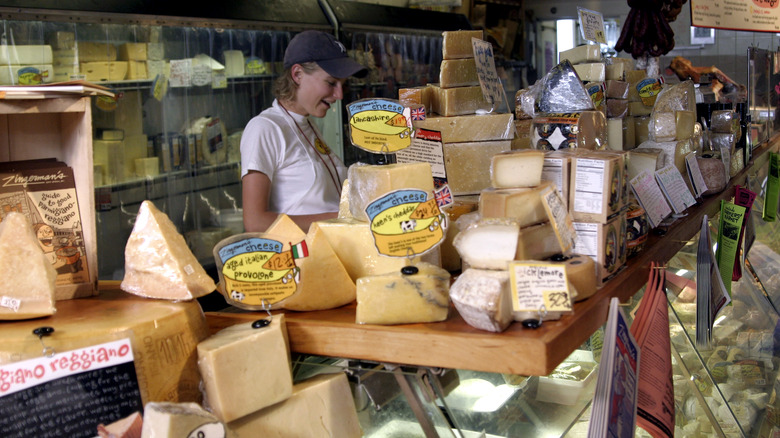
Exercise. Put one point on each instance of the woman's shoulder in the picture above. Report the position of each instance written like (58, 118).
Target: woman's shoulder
(270, 118)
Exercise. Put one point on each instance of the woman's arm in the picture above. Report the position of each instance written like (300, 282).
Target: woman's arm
(255, 191)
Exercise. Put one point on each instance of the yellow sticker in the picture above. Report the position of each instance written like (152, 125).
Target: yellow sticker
(160, 87)
(106, 103)
(321, 146)
(31, 76)
(259, 271)
(379, 126)
(648, 89)
(537, 286)
(406, 223)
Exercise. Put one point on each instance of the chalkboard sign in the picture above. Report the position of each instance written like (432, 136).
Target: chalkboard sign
(70, 393)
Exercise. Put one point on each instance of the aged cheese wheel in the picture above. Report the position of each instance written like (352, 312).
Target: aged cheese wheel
(483, 298)
(164, 337)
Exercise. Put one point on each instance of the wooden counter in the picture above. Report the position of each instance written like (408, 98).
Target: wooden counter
(455, 344)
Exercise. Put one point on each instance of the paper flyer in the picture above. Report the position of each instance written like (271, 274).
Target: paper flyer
(674, 188)
(650, 198)
(731, 218)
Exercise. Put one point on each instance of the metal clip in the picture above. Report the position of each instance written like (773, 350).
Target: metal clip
(41, 332)
(536, 323)
(265, 322)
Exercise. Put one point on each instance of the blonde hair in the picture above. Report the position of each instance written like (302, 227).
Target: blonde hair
(285, 88)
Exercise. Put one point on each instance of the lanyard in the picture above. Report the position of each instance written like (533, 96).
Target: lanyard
(334, 178)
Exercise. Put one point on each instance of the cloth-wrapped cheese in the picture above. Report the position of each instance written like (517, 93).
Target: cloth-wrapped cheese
(714, 173)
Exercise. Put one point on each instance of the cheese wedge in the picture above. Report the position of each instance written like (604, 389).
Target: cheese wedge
(483, 298)
(517, 169)
(369, 182)
(180, 419)
(400, 298)
(492, 243)
(580, 54)
(28, 274)
(231, 360)
(458, 73)
(522, 204)
(459, 129)
(158, 262)
(468, 164)
(320, 407)
(324, 282)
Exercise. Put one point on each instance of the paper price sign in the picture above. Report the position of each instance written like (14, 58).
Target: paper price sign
(406, 223)
(539, 284)
(592, 25)
(259, 271)
(379, 125)
(486, 71)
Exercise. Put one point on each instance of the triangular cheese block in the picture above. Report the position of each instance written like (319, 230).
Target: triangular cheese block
(563, 92)
(158, 262)
(28, 275)
(128, 427)
(324, 283)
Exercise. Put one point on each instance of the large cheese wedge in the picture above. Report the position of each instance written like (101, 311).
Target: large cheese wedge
(368, 182)
(414, 294)
(158, 262)
(458, 73)
(458, 129)
(458, 101)
(324, 283)
(491, 243)
(180, 420)
(163, 335)
(644, 159)
(320, 407)
(521, 168)
(483, 299)
(16, 54)
(563, 91)
(580, 54)
(522, 204)
(457, 44)
(246, 367)
(28, 274)
(468, 164)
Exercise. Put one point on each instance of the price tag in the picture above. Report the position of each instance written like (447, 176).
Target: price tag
(539, 284)
(406, 223)
(259, 271)
(181, 73)
(491, 85)
(379, 125)
(592, 25)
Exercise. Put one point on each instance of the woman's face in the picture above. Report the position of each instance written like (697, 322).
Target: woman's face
(316, 91)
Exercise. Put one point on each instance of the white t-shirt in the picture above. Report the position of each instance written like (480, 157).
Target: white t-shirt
(281, 144)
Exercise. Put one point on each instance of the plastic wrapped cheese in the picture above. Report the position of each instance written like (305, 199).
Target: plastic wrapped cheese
(368, 182)
(723, 140)
(414, 294)
(562, 91)
(483, 298)
(468, 164)
(459, 129)
(676, 97)
(616, 108)
(674, 152)
(726, 121)
(737, 162)
(663, 126)
(616, 89)
(521, 95)
(554, 131)
(28, 274)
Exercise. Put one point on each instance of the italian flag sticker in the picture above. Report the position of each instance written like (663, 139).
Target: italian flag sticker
(300, 250)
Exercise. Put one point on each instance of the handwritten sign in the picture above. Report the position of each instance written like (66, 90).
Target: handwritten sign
(750, 15)
(406, 222)
(539, 284)
(379, 125)
(592, 25)
(650, 198)
(257, 270)
(491, 85)
(181, 73)
(674, 188)
(70, 393)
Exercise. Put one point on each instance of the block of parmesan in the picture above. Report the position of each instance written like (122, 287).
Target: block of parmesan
(158, 262)
(28, 274)
(324, 283)
(458, 73)
(522, 204)
(230, 361)
(459, 129)
(493, 242)
(320, 407)
(581, 54)
(162, 419)
(457, 101)
(96, 52)
(133, 52)
(522, 168)
(591, 71)
(416, 96)
(17, 54)
(406, 296)
(368, 182)
(468, 164)
(457, 44)
(483, 298)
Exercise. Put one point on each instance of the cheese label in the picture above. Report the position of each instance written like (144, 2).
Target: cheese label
(596, 93)
(426, 147)
(31, 76)
(541, 287)
(556, 131)
(492, 89)
(208, 430)
(406, 223)
(379, 125)
(648, 89)
(259, 271)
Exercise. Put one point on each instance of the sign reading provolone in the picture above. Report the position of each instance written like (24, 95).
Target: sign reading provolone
(379, 125)
(406, 223)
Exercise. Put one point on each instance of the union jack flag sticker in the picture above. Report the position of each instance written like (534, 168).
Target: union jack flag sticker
(443, 196)
(418, 113)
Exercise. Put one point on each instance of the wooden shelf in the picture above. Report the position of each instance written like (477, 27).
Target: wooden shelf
(455, 344)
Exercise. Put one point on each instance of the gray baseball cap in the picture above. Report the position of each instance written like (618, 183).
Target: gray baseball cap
(326, 51)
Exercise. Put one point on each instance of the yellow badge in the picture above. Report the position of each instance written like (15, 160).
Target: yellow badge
(321, 147)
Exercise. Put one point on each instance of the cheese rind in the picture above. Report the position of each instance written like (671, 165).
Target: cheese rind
(368, 182)
(483, 298)
(158, 262)
(28, 274)
(468, 164)
(493, 242)
(397, 298)
(580, 54)
(230, 361)
(163, 419)
(457, 44)
(521, 168)
(320, 407)
(458, 73)
(457, 101)
(459, 129)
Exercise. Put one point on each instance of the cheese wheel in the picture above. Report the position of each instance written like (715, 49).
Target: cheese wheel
(163, 335)
(517, 169)
(581, 273)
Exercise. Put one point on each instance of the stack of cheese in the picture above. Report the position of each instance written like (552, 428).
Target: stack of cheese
(469, 139)
(120, 145)
(587, 62)
(620, 135)
(65, 59)
(26, 64)
(98, 61)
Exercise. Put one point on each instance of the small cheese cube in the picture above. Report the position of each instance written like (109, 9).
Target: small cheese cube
(522, 204)
(231, 360)
(96, 52)
(581, 54)
(483, 298)
(165, 419)
(457, 44)
(401, 298)
(517, 169)
(369, 182)
(137, 70)
(234, 63)
(458, 73)
(416, 96)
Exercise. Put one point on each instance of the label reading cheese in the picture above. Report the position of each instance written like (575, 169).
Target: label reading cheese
(596, 93)
(539, 287)
(406, 223)
(260, 271)
(648, 89)
(31, 76)
(379, 125)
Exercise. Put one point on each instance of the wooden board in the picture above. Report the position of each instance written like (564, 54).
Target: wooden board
(455, 344)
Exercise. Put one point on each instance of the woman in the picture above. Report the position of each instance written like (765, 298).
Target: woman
(285, 165)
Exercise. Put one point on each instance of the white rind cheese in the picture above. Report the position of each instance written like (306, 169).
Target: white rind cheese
(158, 262)
(483, 298)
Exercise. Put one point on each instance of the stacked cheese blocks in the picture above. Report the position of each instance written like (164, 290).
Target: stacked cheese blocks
(469, 139)
(26, 64)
